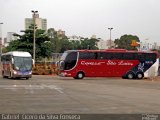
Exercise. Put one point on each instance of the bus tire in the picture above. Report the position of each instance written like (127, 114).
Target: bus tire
(130, 75)
(75, 77)
(124, 77)
(80, 75)
(139, 75)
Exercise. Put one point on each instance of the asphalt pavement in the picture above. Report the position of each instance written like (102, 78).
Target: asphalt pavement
(53, 94)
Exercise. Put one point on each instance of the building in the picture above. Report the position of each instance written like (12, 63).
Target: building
(60, 34)
(145, 46)
(40, 23)
(75, 38)
(102, 44)
(110, 44)
(10, 37)
(93, 37)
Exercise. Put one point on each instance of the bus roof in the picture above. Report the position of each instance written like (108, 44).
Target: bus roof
(18, 53)
(114, 50)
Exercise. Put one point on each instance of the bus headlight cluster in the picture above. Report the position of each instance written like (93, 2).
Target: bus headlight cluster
(15, 72)
(30, 72)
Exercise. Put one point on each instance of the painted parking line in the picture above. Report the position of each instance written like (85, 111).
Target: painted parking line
(32, 87)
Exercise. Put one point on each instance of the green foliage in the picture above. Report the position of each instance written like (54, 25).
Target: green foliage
(60, 44)
(89, 44)
(47, 43)
(125, 42)
(25, 43)
(51, 33)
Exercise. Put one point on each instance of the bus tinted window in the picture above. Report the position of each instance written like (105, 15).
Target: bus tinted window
(103, 55)
(2, 58)
(150, 56)
(88, 55)
(145, 56)
(109, 55)
(70, 60)
(6, 58)
(117, 56)
(128, 56)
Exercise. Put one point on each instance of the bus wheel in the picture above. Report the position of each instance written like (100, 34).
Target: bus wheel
(75, 77)
(80, 75)
(139, 75)
(130, 75)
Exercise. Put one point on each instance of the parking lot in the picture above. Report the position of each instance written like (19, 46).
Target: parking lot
(53, 94)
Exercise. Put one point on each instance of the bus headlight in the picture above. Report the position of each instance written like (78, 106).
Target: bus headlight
(15, 72)
(30, 72)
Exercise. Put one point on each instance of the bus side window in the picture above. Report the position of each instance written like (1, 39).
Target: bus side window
(100, 55)
(96, 55)
(2, 58)
(112, 56)
(150, 56)
(103, 55)
(88, 55)
(140, 56)
(83, 55)
(128, 56)
(8, 58)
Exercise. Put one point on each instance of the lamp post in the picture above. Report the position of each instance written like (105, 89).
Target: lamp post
(110, 37)
(1, 38)
(34, 37)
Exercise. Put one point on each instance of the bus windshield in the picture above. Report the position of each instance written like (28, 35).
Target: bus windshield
(22, 63)
(70, 60)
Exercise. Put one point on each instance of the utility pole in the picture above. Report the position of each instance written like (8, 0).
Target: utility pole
(1, 38)
(110, 37)
(34, 36)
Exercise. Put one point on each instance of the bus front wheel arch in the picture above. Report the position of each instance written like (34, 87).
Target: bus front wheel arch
(80, 75)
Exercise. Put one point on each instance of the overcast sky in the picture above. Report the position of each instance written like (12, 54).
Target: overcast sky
(87, 17)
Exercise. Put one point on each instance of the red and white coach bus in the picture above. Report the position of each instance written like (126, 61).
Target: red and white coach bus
(107, 63)
(17, 64)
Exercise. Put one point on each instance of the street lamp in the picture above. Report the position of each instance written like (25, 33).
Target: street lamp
(34, 37)
(110, 35)
(1, 38)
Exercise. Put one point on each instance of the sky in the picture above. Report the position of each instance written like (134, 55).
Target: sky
(87, 17)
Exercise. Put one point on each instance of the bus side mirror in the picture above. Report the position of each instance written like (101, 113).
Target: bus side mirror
(12, 60)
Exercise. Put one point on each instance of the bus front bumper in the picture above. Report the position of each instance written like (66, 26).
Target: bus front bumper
(22, 74)
(65, 74)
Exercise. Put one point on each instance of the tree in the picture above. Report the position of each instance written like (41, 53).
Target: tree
(125, 42)
(89, 43)
(25, 43)
(76, 44)
(51, 33)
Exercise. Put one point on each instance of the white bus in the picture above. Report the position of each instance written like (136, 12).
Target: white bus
(16, 64)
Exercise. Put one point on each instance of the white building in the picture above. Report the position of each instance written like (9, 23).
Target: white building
(110, 44)
(40, 23)
(10, 37)
(145, 46)
(75, 38)
(102, 44)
